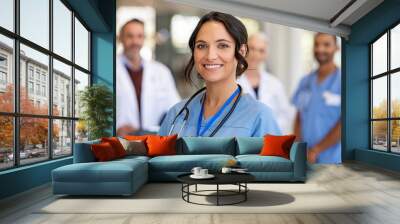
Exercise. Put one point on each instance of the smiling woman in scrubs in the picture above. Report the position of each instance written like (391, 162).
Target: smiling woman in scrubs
(219, 45)
(317, 100)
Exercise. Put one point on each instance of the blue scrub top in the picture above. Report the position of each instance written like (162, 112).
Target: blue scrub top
(250, 118)
(319, 107)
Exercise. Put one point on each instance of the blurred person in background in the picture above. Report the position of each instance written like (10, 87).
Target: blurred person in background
(263, 86)
(318, 100)
(145, 88)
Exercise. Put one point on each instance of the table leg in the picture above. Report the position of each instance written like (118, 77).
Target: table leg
(245, 193)
(188, 190)
(217, 194)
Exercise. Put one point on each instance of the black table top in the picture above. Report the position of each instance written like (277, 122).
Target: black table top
(220, 178)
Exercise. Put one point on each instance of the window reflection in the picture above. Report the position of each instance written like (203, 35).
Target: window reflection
(34, 91)
(395, 95)
(379, 135)
(62, 89)
(33, 140)
(62, 29)
(81, 45)
(395, 136)
(6, 74)
(395, 47)
(7, 14)
(379, 56)
(81, 82)
(379, 98)
(6, 142)
(62, 141)
(35, 21)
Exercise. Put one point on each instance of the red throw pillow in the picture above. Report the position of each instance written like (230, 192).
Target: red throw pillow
(103, 152)
(277, 145)
(161, 145)
(116, 145)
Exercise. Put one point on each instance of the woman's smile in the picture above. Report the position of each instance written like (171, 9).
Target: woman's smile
(212, 67)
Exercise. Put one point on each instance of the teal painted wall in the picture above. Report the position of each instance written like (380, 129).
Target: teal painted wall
(379, 159)
(356, 85)
(24, 178)
(103, 52)
(99, 16)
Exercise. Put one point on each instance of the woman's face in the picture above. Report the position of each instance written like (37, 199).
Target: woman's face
(214, 53)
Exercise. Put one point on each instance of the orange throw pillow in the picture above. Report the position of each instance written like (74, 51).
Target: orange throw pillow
(277, 145)
(161, 145)
(103, 152)
(136, 137)
(116, 145)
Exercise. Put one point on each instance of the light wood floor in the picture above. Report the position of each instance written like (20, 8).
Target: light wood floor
(378, 188)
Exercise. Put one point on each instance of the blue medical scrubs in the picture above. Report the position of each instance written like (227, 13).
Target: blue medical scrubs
(319, 107)
(250, 118)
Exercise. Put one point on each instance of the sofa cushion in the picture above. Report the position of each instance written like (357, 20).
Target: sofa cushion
(161, 145)
(137, 137)
(134, 147)
(131, 158)
(116, 145)
(277, 145)
(206, 145)
(249, 145)
(257, 163)
(103, 152)
(185, 163)
(112, 171)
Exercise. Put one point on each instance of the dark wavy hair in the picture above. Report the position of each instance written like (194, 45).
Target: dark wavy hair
(236, 30)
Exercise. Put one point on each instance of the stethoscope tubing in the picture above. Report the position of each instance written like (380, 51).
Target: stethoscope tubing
(186, 109)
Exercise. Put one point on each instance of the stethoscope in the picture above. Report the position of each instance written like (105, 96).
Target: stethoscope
(186, 110)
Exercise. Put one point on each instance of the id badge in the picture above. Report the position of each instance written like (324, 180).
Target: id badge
(331, 99)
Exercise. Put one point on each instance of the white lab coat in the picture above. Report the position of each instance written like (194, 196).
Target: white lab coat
(272, 93)
(158, 95)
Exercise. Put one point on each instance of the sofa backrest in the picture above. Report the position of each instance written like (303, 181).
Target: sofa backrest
(249, 145)
(191, 146)
(83, 153)
(206, 145)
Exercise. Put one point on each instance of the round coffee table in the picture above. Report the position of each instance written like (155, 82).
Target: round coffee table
(238, 179)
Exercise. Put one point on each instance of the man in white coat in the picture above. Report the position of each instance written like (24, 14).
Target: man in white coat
(265, 87)
(145, 88)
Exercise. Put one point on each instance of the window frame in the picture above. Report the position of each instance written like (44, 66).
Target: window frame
(16, 115)
(388, 74)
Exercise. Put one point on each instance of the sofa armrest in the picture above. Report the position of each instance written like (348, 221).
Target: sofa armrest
(298, 155)
(83, 152)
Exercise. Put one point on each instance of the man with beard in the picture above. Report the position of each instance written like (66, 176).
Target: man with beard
(145, 88)
(317, 99)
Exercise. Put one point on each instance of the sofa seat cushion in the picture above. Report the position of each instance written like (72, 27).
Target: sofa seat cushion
(133, 158)
(257, 163)
(185, 163)
(112, 171)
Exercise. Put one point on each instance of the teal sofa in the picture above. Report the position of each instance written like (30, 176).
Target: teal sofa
(125, 176)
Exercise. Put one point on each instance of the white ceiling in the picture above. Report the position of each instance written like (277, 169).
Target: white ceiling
(315, 15)
(320, 9)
